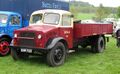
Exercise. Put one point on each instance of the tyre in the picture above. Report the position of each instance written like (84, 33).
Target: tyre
(57, 55)
(14, 54)
(4, 49)
(99, 45)
(18, 55)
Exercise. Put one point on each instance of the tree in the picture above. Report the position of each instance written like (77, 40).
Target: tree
(102, 12)
(74, 10)
(118, 12)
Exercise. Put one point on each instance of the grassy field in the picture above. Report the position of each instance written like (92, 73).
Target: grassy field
(83, 16)
(82, 62)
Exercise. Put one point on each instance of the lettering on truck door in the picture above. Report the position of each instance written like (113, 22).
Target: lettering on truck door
(66, 29)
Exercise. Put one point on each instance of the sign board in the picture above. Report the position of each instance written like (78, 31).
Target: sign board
(26, 7)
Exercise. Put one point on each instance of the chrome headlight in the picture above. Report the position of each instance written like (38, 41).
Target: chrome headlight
(39, 36)
(15, 35)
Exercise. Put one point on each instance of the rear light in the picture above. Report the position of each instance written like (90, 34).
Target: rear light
(14, 41)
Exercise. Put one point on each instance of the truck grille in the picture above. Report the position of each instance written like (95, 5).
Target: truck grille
(26, 42)
(27, 34)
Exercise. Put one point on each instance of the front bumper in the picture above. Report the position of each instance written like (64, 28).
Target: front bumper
(30, 50)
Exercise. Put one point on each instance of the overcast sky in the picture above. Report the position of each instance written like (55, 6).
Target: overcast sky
(108, 3)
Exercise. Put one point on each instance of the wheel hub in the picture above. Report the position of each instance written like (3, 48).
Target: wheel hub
(58, 54)
(4, 47)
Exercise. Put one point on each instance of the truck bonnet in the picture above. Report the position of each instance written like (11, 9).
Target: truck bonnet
(38, 28)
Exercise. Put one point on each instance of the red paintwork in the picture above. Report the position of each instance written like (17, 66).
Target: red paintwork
(4, 47)
(47, 32)
(85, 30)
(43, 28)
(68, 33)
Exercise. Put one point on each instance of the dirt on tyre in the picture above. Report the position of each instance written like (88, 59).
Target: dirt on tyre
(99, 45)
(4, 49)
(56, 56)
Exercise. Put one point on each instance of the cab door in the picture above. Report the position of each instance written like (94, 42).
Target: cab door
(66, 29)
(15, 22)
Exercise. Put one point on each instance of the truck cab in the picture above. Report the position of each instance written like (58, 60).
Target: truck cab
(53, 32)
(9, 21)
(55, 23)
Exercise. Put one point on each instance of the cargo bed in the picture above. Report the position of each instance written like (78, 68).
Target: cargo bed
(84, 30)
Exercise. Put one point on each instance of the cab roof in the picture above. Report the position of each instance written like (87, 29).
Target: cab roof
(51, 11)
(9, 13)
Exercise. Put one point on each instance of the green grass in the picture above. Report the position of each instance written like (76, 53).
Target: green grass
(82, 62)
(83, 16)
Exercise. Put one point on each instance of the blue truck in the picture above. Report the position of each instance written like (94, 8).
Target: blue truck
(15, 14)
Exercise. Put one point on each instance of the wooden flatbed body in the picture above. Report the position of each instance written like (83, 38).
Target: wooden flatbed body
(85, 30)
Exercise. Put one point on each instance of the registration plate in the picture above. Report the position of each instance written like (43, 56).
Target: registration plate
(26, 50)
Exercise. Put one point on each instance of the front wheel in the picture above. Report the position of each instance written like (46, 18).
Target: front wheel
(4, 43)
(16, 55)
(57, 55)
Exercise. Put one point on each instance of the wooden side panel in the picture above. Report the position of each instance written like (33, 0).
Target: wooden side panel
(84, 30)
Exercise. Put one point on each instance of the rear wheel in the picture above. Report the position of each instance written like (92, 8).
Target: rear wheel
(4, 43)
(99, 45)
(57, 55)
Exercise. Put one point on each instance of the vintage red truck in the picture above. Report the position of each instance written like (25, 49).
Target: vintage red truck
(53, 33)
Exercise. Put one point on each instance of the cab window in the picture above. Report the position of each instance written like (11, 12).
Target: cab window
(66, 21)
(51, 18)
(3, 19)
(36, 18)
(15, 20)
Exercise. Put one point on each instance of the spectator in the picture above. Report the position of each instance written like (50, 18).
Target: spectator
(118, 38)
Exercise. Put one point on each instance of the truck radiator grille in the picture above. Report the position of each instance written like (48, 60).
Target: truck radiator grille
(27, 34)
(27, 42)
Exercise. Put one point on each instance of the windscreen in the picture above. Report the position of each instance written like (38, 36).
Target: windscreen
(51, 18)
(36, 19)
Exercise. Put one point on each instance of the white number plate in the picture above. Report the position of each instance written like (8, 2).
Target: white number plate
(26, 50)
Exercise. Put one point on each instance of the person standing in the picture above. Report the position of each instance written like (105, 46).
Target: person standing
(118, 38)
